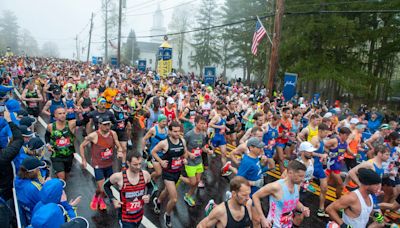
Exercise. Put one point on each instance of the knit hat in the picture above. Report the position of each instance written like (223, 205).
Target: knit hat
(368, 177)
(161, 117)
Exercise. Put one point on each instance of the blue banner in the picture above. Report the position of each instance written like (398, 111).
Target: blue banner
(289, 87)
(209, 75)
(94, 60)
(114, 61)
(167, 55)
(99, 60)
(142, 65)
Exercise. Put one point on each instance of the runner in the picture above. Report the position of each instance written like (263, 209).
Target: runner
(354, 142)
(310, 131)
(170, 110)
(283, 198)
(282, 147)
(32, 95)
(188, 115)
(196, 144)
(320, 158)
(60, 140)
(234, 213)
(337, 146)
(102, 143)
(51, 105)
(122, 125)
(131, 184)
(358, 204)
(101, 112)
(172, 161)
(231, 123)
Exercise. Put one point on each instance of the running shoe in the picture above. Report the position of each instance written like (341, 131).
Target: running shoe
(155, 188)
(189, 200)
(94, 204)
(167, 220)
(201, 184)
(285, 163)
(226, 174)
(225, 168)
(311, 188)
(210, 205)
(178, 182)
(322, 213)
(102, 204)
(157, 206)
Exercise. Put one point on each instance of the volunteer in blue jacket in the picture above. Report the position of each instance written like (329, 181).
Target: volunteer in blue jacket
(28, 187)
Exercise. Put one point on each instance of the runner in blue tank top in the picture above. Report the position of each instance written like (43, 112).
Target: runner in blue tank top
(270, 136)
(337, 147)
(319, 173)
(283, 199)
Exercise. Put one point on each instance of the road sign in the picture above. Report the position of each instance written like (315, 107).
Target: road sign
(209, 75)
(142, 65)
(289, 87)
(114, 61)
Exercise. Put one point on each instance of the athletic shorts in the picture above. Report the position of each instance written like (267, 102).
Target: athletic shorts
(103, 173)
(62, 164)
(329, 171)
(170, 176)
(269, 152)
(191, 171)
(129, 224)
(319, 173)
(386, 181)
(231, 129)
(281, 145)
(122, 136)
(33, 111)
(218, 140)
(204, 157)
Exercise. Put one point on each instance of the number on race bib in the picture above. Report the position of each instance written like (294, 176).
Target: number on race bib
(106, 154)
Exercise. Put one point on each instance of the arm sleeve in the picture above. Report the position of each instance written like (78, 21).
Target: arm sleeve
(107, 189)
(47, 136)
(70, 210)
(12, 150)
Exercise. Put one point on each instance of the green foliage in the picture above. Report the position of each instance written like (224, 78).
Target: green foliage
(9, 31)
(130, 49)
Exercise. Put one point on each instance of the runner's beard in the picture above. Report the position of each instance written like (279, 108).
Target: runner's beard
(134, 170)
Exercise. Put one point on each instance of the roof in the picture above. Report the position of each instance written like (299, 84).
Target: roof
(148, 46)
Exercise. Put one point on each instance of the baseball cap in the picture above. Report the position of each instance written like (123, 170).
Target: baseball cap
(170, 100)
(35, 143)
(360, 125)
(27, 121)
(32, 163)
(57, 91)
(207, 97)
(104, 120)
(101, 100)
(328, 115)
(253, 141)
(303, 106)
(22, 112)
(354, 121)
(161, 117)
(77, 222)
(307, 146)
(25, 131)
(385, 127)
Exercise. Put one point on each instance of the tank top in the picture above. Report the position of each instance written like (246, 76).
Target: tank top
(53, 106)
(120, 118)
(310, 169)
(281, 211)
(158, 137)
(170, 114)
(102, 151)
(220, 123)
(295, 128)
(87, 102)
(362, 219)
(311, 133)
(32, 94)
(317, 161)
(70, 108)
(232, 223)
(270, 136)
(131, 198)
(339, 150)
(378, 170)
(153, 118)
(62, 141)
(93, 94)
(354, 145)
(174, 156)
(188, 125)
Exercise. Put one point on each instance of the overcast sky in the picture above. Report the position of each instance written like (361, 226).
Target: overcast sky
(61, 20)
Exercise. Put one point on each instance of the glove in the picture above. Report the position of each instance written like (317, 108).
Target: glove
(378, 217)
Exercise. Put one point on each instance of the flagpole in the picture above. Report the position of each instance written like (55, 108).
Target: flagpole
(266, 32)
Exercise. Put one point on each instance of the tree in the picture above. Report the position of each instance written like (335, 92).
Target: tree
(130, 49)
(179, 23)
(28, 44)
(206, 41)
(9, 31)
(50, 49)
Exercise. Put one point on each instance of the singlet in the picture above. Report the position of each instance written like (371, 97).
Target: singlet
(81, 86)
(157, 138)
(317, 161)
(53, 106)
(339, 150)
(120, 118)
(231, 116)
(311, 133)
(93, 94)
(188, 125)
(220, 123)
(62, 141)
(362, 219)
(170, 114)
(131, 198)
(353, 145)
(270, 136)
(310, 169)
(174, 156)
(153, 118)
(232, 223)
(378, 170)
(32, 94)
(281, 211)
(70, 108)
(102, 151)
(295, 128)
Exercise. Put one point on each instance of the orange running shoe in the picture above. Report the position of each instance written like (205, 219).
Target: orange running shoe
(94, 204)
(102, 204)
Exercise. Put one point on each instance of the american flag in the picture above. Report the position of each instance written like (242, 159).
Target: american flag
(257, 37)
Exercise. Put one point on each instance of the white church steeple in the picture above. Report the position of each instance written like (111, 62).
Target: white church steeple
(158, 26)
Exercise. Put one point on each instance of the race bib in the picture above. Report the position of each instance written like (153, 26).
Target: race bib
(134, 206)
(63, 142)
(70, 110)
(33, 105)
(197, 152)
(286, 219)
(106, 154)
(176, 163)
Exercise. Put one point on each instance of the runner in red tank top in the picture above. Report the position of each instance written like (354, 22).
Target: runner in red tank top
(132, 184)
(103, 143)
(170, 110)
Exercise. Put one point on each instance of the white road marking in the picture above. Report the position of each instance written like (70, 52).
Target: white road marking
(145, 221)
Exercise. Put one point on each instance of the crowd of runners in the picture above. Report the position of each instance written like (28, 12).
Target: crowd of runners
(162, 133)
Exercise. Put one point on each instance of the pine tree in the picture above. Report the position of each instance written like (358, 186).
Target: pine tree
(130, 49)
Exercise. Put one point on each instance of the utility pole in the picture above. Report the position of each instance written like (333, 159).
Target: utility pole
(106, 33)
(90, 38)
(273, 61)
(119, 33)
(77, 47)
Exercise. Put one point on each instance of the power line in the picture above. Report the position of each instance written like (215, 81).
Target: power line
(166, 9)
(267, 16)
